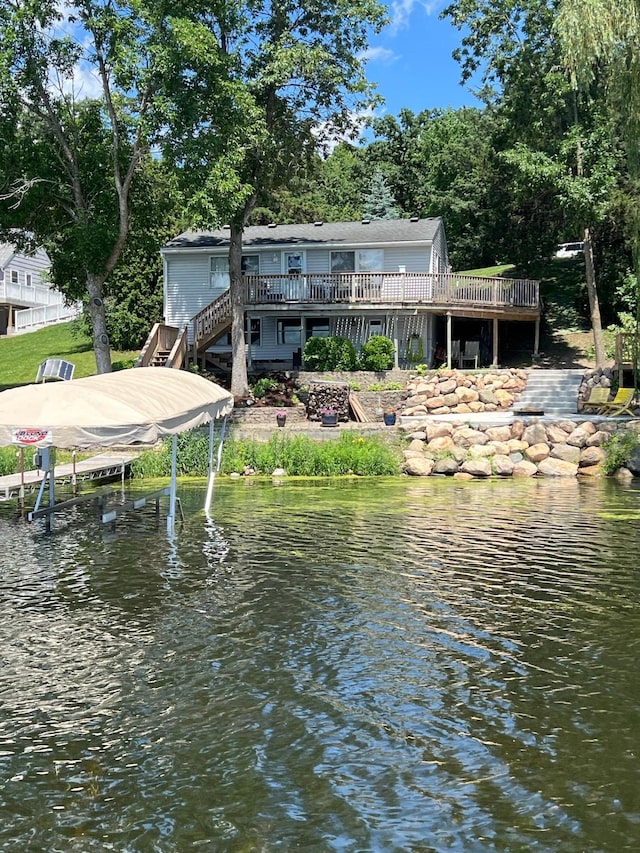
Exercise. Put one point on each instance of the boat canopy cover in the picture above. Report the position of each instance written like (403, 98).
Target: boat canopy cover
(124, 407)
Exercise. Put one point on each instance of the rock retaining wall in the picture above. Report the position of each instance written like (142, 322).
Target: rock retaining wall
(454, 392)
(518, 449)
(599, 377)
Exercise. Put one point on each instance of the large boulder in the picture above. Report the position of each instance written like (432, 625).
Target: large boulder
(502, 465)
(476, 467)
(566, 452)
(524, 469)
(557, 468)
(445, 465)
(418, 466)
(537, 452)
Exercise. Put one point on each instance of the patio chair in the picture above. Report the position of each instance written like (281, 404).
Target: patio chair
(620, 405)
(596, 400)
(471, 353)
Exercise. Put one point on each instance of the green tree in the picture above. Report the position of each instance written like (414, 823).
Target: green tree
(545, 135)
(600, 41)
(378, 203)
(69, 163)
(293, 78)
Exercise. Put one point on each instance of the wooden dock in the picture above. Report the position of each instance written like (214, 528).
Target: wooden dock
(100, 467)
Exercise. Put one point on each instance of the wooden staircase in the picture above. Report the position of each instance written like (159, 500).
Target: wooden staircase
(166, 346)
(212, 322)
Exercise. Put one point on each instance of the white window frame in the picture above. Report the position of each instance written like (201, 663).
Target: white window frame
(303, 262)
(28, 280)
(308, 332)
(245, 258)
(281, 330)
(357, 260)
(15, 277)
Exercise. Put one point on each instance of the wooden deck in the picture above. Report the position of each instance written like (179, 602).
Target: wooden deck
(100, 467)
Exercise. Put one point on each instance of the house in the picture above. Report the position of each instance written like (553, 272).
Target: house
(27, 300)
(351, 279)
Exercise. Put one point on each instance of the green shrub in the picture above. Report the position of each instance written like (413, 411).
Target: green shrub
(261, 386)
(377, 354)
(618, 450)
(329, 354)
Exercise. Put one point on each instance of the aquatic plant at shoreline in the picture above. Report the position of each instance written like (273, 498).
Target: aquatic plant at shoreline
(298, 455)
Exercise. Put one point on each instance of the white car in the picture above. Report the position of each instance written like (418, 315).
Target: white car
(569, 250)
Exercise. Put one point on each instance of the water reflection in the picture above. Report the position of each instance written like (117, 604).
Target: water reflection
(326, 666)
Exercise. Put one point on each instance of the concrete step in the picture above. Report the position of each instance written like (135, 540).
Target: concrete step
(555, 392)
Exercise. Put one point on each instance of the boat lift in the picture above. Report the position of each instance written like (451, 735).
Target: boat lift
(138, 405)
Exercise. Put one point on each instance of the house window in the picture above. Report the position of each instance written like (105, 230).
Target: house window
(343, 261)
(14, 276)
(293, 263)
(289, 331)
(29, 281)
(250, 265)
(375, 327)
(364, 260)
(370, 260)
(1, 275)
(254, 331)
(219, 273)
(317, 327)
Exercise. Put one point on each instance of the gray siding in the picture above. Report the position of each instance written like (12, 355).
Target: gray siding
(413, 259)
(35, 265)
(188, 288)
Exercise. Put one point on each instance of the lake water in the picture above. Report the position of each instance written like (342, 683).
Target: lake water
(389, 665)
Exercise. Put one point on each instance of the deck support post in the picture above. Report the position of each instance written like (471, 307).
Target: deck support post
(448, 340)
(536, 338)
(494, 363)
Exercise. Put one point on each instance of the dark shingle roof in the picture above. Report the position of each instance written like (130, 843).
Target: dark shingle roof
(312, 234)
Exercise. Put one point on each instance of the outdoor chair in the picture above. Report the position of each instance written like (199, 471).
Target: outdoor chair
(620, 405)
(471, 353)
(597, 398)
(455, 353)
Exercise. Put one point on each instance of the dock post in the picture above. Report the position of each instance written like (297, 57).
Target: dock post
(172, 493)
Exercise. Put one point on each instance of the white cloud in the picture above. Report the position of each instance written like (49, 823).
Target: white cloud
(378, 54)
(401, 10)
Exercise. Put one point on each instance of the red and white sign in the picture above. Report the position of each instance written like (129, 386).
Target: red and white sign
(32, 437)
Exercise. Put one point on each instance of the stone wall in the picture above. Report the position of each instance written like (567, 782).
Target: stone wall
(518, 449)
(454, 392)
(598, 377)
(266, 415)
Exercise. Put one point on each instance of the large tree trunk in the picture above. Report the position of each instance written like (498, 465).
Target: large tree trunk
(594, 305)
(239, 379)
(101, 348)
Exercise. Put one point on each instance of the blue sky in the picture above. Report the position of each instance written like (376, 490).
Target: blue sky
(411, 61)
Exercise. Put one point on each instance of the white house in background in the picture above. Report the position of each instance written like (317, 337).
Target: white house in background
(352, 279)
(27, 300)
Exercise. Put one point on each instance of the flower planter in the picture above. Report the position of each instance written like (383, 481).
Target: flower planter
(389, 418)
(329, 420)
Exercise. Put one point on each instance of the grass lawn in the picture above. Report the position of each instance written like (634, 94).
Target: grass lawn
(490, 272)
(21, 355)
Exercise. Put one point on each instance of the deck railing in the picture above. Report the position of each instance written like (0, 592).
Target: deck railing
(28, 319)
(627, 349)
(29, 295)
(212, 317)
(433, 288)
